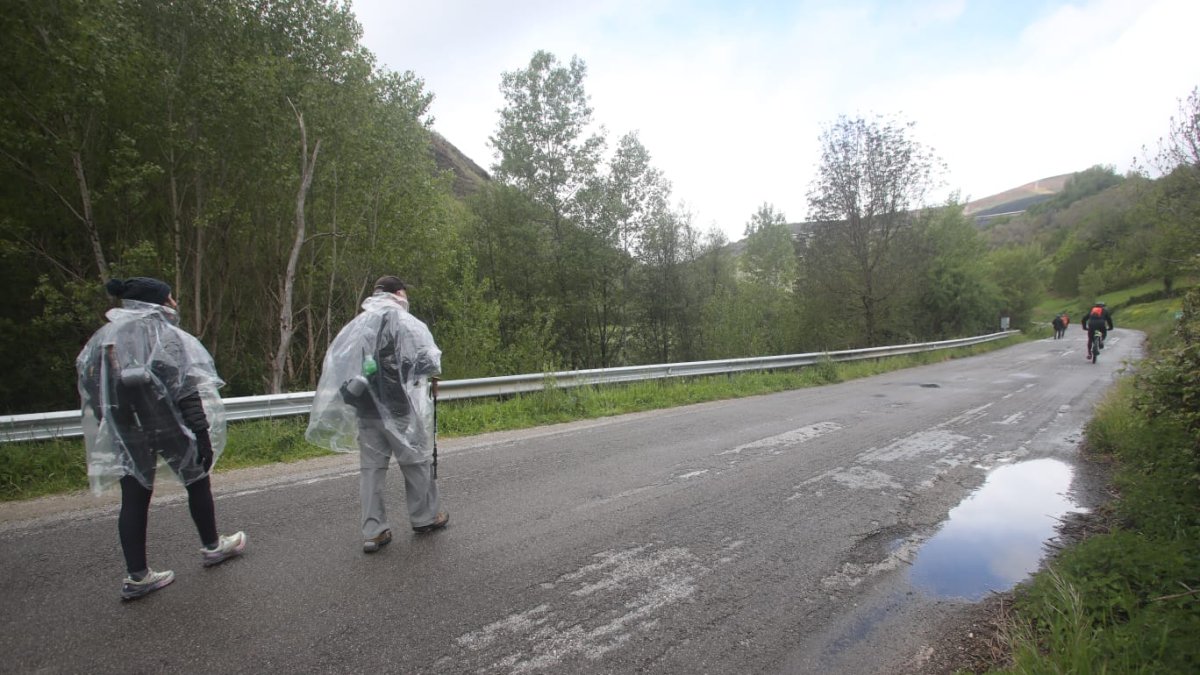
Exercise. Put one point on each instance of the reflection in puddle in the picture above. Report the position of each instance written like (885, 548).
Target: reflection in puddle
(993, 539)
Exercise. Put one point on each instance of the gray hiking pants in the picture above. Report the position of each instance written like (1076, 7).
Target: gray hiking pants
(376, 448)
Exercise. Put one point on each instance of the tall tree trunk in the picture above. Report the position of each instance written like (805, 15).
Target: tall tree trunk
(176, 227)
(287, 285)
(198, 263)
(333, 265)
(89, 220)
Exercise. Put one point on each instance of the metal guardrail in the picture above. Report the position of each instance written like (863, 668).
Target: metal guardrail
(66, 423)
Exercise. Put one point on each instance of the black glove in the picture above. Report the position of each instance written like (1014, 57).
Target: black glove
(204, 453)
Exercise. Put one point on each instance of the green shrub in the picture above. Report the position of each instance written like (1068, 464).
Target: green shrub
(1170, 381)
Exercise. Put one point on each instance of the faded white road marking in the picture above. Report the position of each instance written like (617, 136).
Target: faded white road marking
(692, 474)
(966, 417)
(932, 441)
(730, 548)
(636, 584)
(1011, 419)
(1019, 391)
(860, 478)
(792, 437)
(522, 622)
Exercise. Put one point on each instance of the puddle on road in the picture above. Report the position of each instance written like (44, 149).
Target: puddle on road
(994, 538)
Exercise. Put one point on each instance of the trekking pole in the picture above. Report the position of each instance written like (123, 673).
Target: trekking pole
(433, 392)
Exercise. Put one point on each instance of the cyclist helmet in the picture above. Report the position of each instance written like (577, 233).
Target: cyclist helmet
(1099, 304)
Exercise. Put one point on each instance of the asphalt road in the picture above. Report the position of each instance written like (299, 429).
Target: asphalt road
(749, 536)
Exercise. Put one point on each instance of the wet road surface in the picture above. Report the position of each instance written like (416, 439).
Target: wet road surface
(800, 532)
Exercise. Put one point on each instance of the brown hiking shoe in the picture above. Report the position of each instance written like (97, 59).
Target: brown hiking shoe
(377, 542)
(437, 524)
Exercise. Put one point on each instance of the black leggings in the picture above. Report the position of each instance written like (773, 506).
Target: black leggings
(135, 513)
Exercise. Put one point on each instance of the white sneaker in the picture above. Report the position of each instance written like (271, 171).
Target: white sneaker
(227, 547)
(131, 589)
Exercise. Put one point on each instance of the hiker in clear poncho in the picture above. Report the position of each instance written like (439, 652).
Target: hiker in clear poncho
(149, 391)
(376, 396)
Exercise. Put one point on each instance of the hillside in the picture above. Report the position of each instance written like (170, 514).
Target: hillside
(469, 177)
(1009, 202)
(1016, 199)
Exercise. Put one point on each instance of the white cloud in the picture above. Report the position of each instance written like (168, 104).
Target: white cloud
(729, 101)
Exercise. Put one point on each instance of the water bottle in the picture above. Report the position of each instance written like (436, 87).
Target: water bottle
(369, 366)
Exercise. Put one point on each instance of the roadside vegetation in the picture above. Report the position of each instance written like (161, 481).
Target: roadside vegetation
(29, 470)
(1127, 598)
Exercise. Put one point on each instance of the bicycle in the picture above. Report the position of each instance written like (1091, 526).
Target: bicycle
(1096, 345)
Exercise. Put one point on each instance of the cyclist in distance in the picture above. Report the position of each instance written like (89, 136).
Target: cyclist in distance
(1098, 318)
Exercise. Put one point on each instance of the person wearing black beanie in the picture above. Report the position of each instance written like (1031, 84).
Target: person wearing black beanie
(142, 289)
(149, 392)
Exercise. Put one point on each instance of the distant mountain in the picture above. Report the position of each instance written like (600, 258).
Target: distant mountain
(1017, 199)
(1007, 203)
(469, 177)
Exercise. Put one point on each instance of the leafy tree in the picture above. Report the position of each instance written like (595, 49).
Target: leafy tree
(1069, 262)
(1018, 271)
(1092, 282)
(542, 140)
(545, 150)
(720, 329)
(767, 281)
(769, 257)
(871, 181)
(624, 205)
(1172, 247)
(956, 298)
(665, 289)
(61, 115)
(1177, 200)
(512, 252)
(143, 137)
(1181, 146)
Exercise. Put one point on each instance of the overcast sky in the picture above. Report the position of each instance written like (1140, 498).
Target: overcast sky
(729, 96)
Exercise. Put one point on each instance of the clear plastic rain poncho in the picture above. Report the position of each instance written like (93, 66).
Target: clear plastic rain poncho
(377, 371)
(132, 373)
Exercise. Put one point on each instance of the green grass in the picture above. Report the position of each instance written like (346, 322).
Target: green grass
(1155, 318)
(47, 467)
(30, 470)
(1052, 305)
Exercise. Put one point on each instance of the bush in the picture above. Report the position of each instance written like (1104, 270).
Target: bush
(1169, 385)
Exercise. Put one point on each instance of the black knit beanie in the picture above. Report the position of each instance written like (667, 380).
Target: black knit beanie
(389, 284)
(145, 289)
